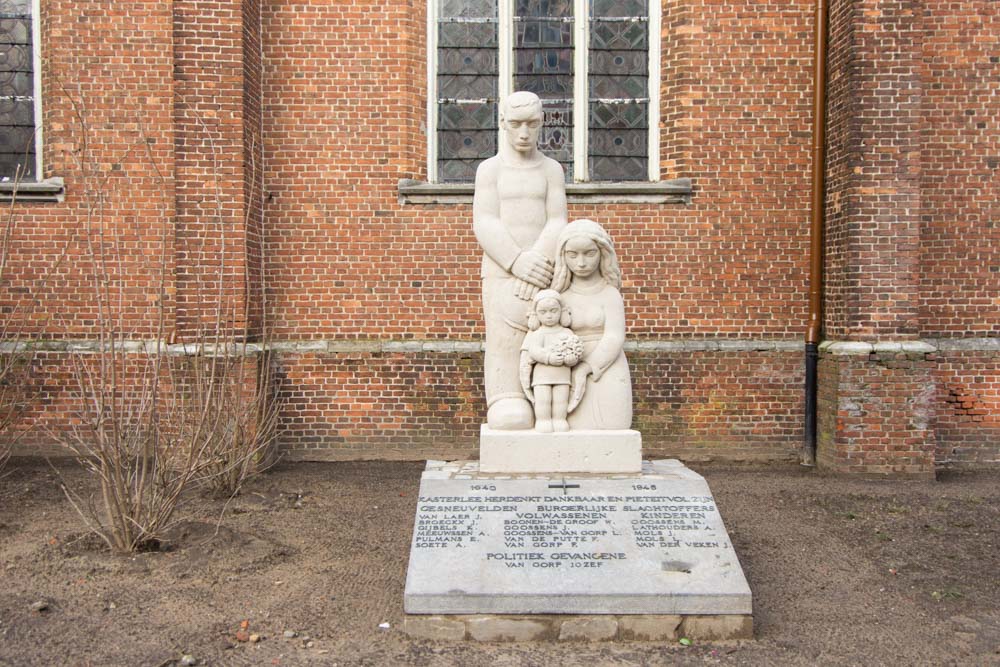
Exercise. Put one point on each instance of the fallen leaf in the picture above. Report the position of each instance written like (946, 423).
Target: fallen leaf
(684, 641)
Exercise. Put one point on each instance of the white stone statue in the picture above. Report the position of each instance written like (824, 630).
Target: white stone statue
(588, 276)
(548, 353)
(518, 211)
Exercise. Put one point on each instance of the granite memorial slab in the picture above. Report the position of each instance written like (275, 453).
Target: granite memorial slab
(647, 543)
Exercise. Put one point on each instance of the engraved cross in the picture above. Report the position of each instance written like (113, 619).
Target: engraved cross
(564, 486)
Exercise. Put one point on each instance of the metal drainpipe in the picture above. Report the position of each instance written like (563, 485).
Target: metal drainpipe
(808, 455)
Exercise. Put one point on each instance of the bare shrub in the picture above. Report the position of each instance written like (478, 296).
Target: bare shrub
(144, 449)
(16, 351)
(159, 420)
(243, 397)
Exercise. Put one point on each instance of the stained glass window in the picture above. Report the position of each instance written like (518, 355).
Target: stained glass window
(589, 62)
(543, 64)
(467, 76)
(17, 91)
(618, 91)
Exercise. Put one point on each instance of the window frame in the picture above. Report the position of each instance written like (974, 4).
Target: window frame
(581, 27)
(36, 55)
(37, 189)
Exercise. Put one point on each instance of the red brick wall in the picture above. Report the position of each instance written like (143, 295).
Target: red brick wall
(911, 241)
(874, 189)
(107, 121)
(345, 107)
(968, 408)
(283, 171)
(409, 405)
(877, 414)
(213, 183)
(400, 405)
(253, 163)
(843, 165)
(345, 120)
(960, 170)
(700, 405)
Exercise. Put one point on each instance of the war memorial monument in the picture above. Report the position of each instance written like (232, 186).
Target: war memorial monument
(561, 530)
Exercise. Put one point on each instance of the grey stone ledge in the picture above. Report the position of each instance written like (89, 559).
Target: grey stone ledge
(838, 348)
(714, 345)
(403, 346)
(859, 348)
(674, 191)
(84, 346)
(353, 346)
(300, 346)
(48, 190)
(984, 344)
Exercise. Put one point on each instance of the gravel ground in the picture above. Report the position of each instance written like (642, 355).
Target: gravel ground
(844, 571)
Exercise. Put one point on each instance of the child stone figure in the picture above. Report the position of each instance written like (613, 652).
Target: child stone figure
(549, 351)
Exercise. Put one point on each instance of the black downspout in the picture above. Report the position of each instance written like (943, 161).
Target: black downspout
(808, 455)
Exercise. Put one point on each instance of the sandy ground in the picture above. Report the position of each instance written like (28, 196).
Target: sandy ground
(843, 571)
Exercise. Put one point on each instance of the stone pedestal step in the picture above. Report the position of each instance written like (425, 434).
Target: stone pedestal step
(572, 451)
(570, 627)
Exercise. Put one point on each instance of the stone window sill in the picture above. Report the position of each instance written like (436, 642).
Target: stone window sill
(49, 190)
(676, 191)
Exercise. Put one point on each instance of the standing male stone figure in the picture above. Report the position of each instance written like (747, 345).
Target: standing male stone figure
(518, 211)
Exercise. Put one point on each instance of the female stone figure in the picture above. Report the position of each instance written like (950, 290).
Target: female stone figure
(587, 274)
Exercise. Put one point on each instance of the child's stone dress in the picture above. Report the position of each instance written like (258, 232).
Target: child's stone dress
(538, 344)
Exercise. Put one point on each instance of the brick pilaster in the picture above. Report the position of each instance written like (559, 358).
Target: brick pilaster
(217, 110)
(875, 406)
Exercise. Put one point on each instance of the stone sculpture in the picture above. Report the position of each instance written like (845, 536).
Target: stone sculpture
(549, 352)
(518, 211)
(588, 276)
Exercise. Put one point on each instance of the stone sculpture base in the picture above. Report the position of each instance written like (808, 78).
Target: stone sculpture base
(610, 452)
(574, 627)
(620, 556)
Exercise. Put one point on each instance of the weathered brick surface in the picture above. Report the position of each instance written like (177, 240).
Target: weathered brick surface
(381, 405)
(218, 137)
(968, 407)
(655, 628)
(877, 413)
(434, 627)
(508, 628)
(960, 170)
(873, 205)
(108, 102)
(911, 239)
(250, 149)
(708, 628)
(740, 405)
(579, 627)
(592, 629)
(63, 389)
(412, 405)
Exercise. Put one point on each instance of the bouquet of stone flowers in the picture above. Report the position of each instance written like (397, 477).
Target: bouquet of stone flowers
(571, 348)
